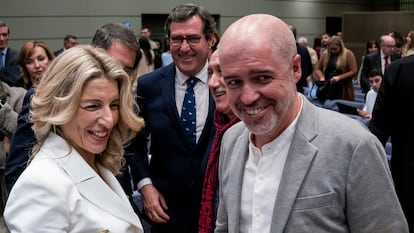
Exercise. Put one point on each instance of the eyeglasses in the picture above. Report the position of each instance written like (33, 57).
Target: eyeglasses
(191, 40)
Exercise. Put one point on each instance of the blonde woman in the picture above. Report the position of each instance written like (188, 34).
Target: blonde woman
(82, 115)
(408, 48)
(338, 65)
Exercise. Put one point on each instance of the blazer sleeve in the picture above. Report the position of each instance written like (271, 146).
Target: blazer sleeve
(363, 192)
(36, 205)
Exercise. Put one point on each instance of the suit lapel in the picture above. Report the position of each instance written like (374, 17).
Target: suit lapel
(109, 197)
(106, 196)
(167, 85)
(298, 161)
(237, 166)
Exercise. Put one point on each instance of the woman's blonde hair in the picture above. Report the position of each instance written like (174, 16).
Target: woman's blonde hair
(58, 97)
(341, 60)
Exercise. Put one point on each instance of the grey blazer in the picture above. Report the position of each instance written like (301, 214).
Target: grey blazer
(8, 115)
(335, 179)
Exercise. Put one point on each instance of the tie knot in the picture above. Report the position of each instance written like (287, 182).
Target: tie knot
(192, 81)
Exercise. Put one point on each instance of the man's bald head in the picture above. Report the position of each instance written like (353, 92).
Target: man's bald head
(258, 30)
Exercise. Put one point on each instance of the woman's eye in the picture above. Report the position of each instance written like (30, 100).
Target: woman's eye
(90, 107)
(115, 106)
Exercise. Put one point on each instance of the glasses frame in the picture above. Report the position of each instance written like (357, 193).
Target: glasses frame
(192, 40)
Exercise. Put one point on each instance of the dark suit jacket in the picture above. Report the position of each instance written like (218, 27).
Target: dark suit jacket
(372, 62)
(176, 165)
(57, 52)
(306, 65)
(392, 117)
(10, 73)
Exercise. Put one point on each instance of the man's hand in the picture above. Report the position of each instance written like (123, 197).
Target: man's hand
(154, 204)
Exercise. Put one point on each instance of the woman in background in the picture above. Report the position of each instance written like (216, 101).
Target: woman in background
(146, 63)
(34, 58)
(372, 46)
(408, 48)
(82, 115)
(338, 65)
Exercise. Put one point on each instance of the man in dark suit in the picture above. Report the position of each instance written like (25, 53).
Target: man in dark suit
(378, 60)
(9, 60)
(170, 184)
(68, 42)
(306, 63)
(392, 118)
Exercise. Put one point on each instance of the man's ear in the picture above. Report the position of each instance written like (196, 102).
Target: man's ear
(297, 68)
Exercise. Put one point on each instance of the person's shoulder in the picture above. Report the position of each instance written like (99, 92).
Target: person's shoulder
(12, 51)
(19, 92)
(333, 122)
(235, 130)
(372, 56)
(158, 73)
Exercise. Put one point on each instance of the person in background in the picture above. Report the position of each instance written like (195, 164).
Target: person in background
(9, 62)
(325, 37)
(146, 32)
(291, 166)
(337, 65)
(178, 112)
(375, 79)
(166, 55)
(146, 63)
(392, 122)
(68, 42)
(11, 100)
(378, 60)
(35, 57)
(372, 46)
(408, 48)
(312, 53)
(399, 41)
(159, 44)
(224, 118)
(82, 115)
(215, 40)
(306, 63)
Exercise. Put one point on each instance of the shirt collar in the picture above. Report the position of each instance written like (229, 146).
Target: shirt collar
(4, 51)
(202, 75)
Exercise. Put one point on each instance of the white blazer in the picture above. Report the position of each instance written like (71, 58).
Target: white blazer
(60, 192)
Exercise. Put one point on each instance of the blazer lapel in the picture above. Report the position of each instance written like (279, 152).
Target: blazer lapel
(238, 169)
(106, 196)
(298, 161)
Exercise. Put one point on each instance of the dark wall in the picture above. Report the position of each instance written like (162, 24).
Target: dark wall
(359, 27)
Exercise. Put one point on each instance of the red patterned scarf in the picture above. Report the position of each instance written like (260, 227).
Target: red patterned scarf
(210, 183)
